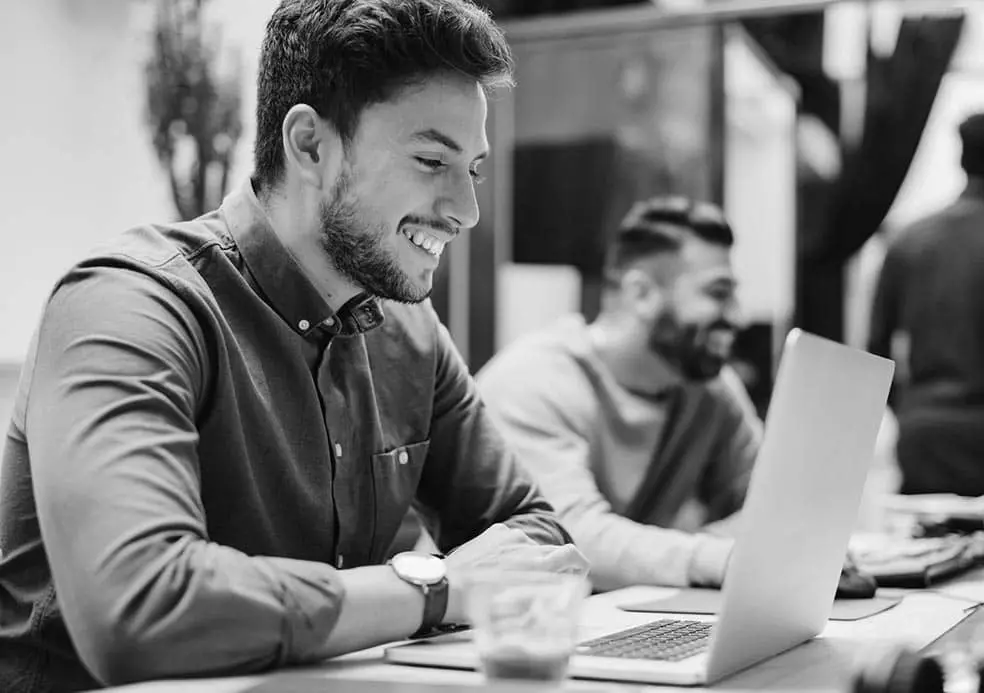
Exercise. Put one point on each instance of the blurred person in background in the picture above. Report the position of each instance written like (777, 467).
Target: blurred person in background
(638, 432)
(928, 314)
(221, 423)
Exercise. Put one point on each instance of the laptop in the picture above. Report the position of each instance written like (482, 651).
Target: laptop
(799, 512)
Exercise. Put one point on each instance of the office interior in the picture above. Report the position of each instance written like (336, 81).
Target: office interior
(822, 128)
(793, 115)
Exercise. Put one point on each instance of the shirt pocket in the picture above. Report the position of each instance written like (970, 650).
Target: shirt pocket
(396, 475)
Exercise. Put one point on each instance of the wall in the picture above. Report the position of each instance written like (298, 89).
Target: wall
(78, 164)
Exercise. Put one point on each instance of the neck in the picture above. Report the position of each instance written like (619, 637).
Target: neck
(623, 347)
(290, 217)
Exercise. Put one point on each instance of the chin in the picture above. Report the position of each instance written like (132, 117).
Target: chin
(704, 370)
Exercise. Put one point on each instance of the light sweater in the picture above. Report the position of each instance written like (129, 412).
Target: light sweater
(622, 468)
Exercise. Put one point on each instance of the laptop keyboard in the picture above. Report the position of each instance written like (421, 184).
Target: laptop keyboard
(666, 639)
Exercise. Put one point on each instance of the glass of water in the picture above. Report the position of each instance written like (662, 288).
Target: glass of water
(525, 623)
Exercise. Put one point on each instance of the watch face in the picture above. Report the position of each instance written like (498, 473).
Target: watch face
(421, 568)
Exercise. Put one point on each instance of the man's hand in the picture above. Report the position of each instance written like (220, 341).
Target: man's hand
(504, 548)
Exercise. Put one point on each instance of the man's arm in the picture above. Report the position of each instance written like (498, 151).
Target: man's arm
(538, 403)
(120, 373)
(471, 479)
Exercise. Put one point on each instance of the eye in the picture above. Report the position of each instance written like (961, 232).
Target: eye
(476, 176)
(432, 164)
(721, 295)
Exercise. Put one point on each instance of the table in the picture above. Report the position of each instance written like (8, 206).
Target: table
(923, 619)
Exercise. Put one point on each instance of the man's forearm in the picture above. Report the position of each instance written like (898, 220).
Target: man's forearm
(378, 608)
(624, 553)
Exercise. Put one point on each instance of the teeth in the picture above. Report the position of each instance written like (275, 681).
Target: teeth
(426, 242)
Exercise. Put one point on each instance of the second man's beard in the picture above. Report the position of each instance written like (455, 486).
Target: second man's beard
(685, 346)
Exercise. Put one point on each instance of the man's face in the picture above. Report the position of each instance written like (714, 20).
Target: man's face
(407, 188)
(695, 329)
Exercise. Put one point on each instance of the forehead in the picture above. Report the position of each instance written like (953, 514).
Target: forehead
(451, 104)
(701, 262)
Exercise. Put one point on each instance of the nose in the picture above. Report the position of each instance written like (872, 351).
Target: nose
(734, 315)
(459, 205)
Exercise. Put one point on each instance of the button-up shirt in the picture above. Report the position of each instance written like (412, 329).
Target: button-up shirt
(199, 443)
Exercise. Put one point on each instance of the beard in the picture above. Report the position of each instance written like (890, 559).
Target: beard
(685, 345)
(357, 250)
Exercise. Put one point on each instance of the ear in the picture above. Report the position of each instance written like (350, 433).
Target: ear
(642, 294)
(309, 143)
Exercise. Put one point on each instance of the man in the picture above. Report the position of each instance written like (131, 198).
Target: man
(220, 426)
(633, 426)
(928, 313)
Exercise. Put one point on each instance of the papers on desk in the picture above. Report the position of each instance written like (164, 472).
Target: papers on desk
(936, 505)
(917, 562)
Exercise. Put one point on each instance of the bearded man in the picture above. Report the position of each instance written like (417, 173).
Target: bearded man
(222, 423)
(638, 432)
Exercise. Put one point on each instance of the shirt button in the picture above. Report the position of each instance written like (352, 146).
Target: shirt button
(303, 325)
(341, 561)
(338, 450)
(329, 321)
(403, 457)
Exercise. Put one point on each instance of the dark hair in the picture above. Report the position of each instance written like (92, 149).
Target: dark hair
(660, 225)
(972, 138)
(340, 56)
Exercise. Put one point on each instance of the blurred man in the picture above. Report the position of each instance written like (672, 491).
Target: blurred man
(633, 425)
(222, 423)
(928, 313)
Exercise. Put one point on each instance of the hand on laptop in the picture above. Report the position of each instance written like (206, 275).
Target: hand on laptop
(504, 548)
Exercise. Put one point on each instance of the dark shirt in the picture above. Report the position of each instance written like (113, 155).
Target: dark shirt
(930, 300)
(199, 443)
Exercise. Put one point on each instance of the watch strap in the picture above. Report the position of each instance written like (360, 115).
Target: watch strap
(435, 606)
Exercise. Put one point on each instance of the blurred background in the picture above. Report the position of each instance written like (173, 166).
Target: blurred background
(819, 126)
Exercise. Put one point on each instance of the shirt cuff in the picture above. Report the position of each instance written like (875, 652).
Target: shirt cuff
(709, 561)
(311, 597)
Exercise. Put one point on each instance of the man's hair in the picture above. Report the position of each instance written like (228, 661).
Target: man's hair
(972, 138)
(341, 56)
(661, 225)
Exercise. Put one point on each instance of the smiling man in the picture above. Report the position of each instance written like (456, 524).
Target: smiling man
(222, 423)
(638, 432)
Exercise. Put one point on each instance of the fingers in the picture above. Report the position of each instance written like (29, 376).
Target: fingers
(568, 559)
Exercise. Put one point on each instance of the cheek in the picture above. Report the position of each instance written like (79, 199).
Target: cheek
(381, 193)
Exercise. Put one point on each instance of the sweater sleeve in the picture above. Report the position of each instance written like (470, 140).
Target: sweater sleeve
(544, 405)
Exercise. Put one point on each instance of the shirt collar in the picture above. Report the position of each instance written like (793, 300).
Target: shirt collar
(285, 287)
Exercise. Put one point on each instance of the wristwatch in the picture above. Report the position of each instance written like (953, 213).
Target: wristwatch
(428, 574)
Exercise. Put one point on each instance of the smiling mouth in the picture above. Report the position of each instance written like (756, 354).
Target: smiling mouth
(425, 241)
(720, 342)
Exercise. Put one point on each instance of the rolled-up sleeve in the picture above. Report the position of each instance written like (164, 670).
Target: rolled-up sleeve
(471, 479)
(120, 378)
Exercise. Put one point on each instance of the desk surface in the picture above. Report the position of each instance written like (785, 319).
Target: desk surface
(823, 664)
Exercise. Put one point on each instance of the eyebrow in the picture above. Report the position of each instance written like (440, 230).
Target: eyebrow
(729, 282)
(433, 135)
